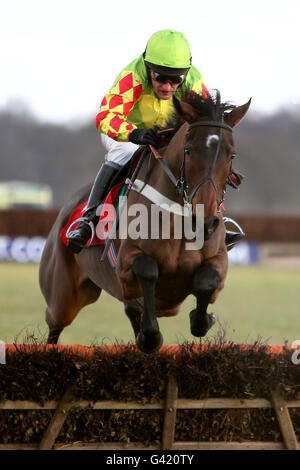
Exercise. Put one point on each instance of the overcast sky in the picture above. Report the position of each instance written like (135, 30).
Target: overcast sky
(61, 56)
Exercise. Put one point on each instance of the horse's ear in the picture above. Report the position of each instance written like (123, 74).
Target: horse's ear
(237, 114)
(185, 111)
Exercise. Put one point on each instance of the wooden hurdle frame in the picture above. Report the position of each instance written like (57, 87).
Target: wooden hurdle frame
(170, 406)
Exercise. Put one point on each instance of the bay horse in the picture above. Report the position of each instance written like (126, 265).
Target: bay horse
(154, 276)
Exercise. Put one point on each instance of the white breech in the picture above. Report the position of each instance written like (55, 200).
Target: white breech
(118, 152)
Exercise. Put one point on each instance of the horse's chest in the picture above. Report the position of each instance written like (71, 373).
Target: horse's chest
(175, 282)
(180, 269)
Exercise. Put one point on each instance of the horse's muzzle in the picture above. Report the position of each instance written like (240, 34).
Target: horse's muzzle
(210, 226)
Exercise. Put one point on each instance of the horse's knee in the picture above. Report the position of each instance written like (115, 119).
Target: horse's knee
(206, 279)
(145, 268)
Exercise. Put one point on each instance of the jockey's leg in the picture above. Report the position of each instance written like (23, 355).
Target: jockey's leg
(78, 237)
(118, 154)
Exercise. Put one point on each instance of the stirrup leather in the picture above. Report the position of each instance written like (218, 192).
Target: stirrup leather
(86, 221)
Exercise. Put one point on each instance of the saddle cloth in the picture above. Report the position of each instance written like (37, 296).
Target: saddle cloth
(108, 216)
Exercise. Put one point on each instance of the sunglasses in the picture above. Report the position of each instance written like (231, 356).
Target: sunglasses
(175, 79)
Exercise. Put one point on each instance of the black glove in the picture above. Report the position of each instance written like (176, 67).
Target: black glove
(144, 136)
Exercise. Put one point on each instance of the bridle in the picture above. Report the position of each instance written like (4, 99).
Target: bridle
(181, 184)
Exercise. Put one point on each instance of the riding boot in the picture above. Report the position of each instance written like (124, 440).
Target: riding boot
(231, 237)
(78, 238)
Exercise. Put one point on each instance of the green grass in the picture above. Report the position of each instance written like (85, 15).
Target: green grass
(257, 303)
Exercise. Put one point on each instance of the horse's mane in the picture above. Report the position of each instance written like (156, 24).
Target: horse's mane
(209, 106)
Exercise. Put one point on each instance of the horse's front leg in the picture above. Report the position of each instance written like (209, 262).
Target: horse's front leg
(145, 269)
(206, 281)
(134, 314)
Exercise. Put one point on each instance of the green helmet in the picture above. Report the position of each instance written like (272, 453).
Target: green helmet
(168, 48)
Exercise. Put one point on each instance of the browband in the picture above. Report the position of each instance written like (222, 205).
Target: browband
(210, 124)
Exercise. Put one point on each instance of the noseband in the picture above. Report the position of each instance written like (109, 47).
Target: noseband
(181, 183)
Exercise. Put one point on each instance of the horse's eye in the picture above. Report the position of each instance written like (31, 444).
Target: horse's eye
(187, 152)
(233, 155)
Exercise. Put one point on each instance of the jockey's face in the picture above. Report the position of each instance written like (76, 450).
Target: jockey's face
(164, 90)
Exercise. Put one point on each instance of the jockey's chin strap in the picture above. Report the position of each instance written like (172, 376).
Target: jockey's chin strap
(180, 183)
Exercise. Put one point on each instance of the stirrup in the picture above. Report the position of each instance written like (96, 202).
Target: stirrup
(86, 221)
(240, 234)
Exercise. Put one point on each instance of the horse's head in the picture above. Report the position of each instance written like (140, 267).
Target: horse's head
(206, 148)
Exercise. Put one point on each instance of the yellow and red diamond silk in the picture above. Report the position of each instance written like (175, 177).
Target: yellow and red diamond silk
(116, 107)
(126, 83)
(205, 93)
(116, 122)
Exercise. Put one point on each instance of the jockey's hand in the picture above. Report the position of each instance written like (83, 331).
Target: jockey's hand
(145, 136)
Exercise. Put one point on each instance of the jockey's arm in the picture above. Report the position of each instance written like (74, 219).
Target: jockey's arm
(116, 106)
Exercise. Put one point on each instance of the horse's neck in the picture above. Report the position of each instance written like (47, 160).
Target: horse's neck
(155, 176)
(172, 157)
(173, 153)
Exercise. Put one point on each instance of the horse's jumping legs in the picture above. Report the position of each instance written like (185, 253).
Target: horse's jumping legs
(64, 305)
(205, 281)
(134, 315)
(54, 335)
(145, 269)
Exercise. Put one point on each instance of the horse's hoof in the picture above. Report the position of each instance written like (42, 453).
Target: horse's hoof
(200, 325)
(149, 343)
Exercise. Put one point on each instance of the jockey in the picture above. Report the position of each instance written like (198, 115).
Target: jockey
(139, 102)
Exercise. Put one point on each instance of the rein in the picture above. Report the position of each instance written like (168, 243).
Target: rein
(180, 183)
